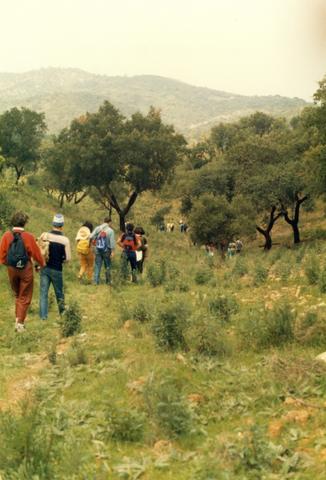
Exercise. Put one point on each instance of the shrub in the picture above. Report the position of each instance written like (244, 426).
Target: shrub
(171, 412)
(312, 270)
(206, 338)
(267, 328)
(260, 274)
(156, 273)
(203, 276)
(170, 324)
(223, 307)
(6, 210)
(240, 267)
(312, 330)
(142, 313)
(322, 280)
(77, 355)
(124, 424)
(71, 320)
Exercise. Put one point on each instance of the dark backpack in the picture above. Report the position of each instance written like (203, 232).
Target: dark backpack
(102, 245)
(17, 256)
(129, 241)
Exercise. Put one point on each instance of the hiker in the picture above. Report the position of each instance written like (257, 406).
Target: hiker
(85, 251)
(129, 243)
(231, 249)
(141, 252)
(17, 249)
(58, 253)
(238, 246)
(170, 227)
(209, 248)
(104, 241)
(181, 225)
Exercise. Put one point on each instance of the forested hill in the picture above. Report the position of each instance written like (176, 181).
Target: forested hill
(64, 94)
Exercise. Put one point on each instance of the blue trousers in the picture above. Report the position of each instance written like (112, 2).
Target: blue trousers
(48, 276)
(101, 258)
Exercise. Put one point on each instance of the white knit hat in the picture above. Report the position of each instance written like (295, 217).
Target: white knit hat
(58, 220)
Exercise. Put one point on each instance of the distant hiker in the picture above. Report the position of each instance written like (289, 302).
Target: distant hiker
(17, 248)
(161, 227)
(170, 227)
(232, 249)
(141, 252)
(104, 242)
(238, 246)
(129, 243)
(181, 225)
(223, 248)
(85, 251)
(209, 248)
(59, 252)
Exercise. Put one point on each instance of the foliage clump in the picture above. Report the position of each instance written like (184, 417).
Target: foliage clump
(71, 320)
(170, 325)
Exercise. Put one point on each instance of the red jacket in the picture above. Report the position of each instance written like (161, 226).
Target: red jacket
(31, 246)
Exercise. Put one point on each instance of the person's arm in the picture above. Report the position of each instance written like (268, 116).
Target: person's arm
(94, 233)
(36, 252)
(111, 239)
(67, 251)
(4, 245)
(120, 240)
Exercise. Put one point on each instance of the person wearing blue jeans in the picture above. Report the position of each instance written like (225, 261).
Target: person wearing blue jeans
(104, 240)
(101, 258)
(58, 253)
(48, 276)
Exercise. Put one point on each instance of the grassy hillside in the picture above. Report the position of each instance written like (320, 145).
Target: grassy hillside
(204, 370)
(64, 94)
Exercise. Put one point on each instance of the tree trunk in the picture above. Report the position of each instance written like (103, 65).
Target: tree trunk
(294, 222)
(266, 232)
(110, 201)
(61, 199)
(267, 236)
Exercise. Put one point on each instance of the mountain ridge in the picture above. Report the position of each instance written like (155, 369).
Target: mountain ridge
(65, 93)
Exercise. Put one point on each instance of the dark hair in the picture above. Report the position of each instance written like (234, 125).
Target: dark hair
(107, 219)
(129, 227)
(19, 219)
(89, 225)
(139, 231)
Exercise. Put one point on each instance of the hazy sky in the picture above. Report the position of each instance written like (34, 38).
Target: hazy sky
(241, 46)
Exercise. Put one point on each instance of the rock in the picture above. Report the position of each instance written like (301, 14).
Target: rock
(195, 398)
(162, 446)
(181, 358)
(322, 357)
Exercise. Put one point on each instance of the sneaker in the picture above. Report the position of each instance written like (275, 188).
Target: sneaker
(20, 327)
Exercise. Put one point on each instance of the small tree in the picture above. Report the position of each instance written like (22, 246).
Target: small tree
(21, 132)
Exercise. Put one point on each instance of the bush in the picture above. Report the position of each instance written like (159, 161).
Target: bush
(312, 330)
(322, 280)
(71, 320)
(77, 355)
(268, 328)
(223, 307)
(6, 211)
(171, 412)
(203, 276)
(260, 274)
(156, 273)
(142, 313)
(206, 338)
(312, 270)
(170, 324)
(240, 267)
(124, 424)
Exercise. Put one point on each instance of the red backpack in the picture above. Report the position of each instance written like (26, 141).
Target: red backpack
(129, 241)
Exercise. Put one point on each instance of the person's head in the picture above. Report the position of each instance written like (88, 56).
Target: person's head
(58, 221)
(108, 220)
(139, 231)
(89, 225)
(19, 219)
(129, 227)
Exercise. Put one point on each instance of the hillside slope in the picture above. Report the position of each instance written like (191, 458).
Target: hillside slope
(64, 94)
(204, 370)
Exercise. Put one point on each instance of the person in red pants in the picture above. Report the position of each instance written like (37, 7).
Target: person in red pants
(21, 278)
